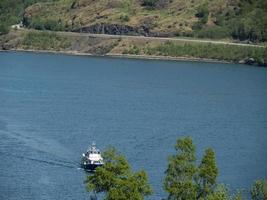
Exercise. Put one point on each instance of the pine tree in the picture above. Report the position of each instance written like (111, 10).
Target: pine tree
(180, 174)
(208, 173)
(259, 190)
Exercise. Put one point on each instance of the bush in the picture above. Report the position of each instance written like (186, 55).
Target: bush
(259, 190)
(197, 25)
(45, 41)
(203, 13)
(251, 23)
(3, 29)
(124, 18)
(249, 30)
(149, 3)
(133, 50)
(45, 24)
(215, 32)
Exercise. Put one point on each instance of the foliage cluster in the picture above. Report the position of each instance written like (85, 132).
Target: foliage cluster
(251, 21)
(117, 180)
(246, 21)
(155, 4)
(211, 51)
(213, 32)
(127, 7)
(203, 15)
(45, 24)
(133, 50)
(185, 179)
(45, 41)
(150, 3)
(11, 12)
(124, 17)
(4, 29)
(259, 190)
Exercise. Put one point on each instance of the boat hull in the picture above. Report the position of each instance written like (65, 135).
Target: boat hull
(90, 167)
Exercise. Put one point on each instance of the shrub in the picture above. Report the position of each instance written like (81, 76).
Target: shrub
(124, 18)
(133, 50)
(149, 3)
(45, 41)
(259, 190)
(45, 24)
(3, 29)
(203, 13)
(215, 32)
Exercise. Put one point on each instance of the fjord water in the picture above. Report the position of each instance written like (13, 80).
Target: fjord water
(53, 106)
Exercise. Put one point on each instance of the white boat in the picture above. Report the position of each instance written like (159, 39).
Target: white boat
(92, 158)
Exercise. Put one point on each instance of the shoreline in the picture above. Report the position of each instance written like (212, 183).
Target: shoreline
(124, 56)
(77, 44)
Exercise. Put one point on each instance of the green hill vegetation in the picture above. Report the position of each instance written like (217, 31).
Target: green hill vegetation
(224, 52)
(235, 19)
(185, 178)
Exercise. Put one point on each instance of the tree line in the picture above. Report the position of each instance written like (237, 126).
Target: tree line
(11, 12)
(184, 178)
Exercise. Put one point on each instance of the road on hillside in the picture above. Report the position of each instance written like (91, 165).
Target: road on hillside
(155, 38)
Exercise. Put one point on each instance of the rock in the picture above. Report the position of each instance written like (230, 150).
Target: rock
(114, 29)
(242, 61)
(249, 61)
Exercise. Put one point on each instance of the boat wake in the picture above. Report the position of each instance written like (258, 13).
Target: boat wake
(60, 163)
(55, 150)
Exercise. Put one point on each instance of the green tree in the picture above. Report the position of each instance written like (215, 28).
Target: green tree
(220, 193)
(208, 173)
(3, 29)
(259, 190)
(181, 171)
(116, 179)
(203, 13)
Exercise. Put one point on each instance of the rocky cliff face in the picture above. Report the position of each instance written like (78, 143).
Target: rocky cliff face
(114, 29)
(122, 29)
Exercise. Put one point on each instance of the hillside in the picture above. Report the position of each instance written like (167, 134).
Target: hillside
(231, 19)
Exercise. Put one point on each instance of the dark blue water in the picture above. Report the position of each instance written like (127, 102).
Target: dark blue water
(53, 106)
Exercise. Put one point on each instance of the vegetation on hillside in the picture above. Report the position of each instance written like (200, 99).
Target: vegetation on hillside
(12, 11)
(49, 40)
(239, 19)
(184, 180)
(45, 41)
(207, 50)
(227, 52)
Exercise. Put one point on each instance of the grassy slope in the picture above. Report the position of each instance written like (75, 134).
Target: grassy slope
(177, 16)
(242, 19)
